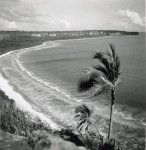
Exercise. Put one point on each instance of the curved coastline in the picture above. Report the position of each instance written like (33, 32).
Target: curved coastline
(21, 66)
(24, 105)
(119, 115)
(9, 90)
(16, 80)
(49, 85)
(41, 81)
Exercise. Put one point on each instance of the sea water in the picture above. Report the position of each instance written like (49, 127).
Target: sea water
(62, 66)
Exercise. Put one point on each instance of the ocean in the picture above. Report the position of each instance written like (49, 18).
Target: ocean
(62, 66)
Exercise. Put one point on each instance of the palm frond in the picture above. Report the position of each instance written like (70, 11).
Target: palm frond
(100, 90)
(88, 80)
(118, 81)
(111, 62)
(105, 60)
(117, 66)
(113, 50)
(82, 114)
(83, 109)
(102, 69)
(116, 59)
(101, 57)
(85, 85)
(106, 73)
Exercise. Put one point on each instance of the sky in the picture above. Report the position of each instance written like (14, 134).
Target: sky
(48, 15)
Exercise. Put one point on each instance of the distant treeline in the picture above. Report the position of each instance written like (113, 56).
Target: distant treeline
(11, 40)
(18, 42)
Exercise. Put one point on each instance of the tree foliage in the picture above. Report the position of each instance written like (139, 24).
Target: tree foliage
(105, 73)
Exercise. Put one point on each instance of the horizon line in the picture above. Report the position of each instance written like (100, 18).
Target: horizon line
(69, 30)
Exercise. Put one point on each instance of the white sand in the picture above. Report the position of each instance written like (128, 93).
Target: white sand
(21, 103)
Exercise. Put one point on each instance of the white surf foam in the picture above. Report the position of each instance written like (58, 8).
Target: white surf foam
(57, 88)
(38, 79)
(46, 83)
(52, 85)
(21, 103)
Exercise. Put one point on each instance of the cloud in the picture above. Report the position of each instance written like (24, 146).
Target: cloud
(132, 16)
(71, 14)
(65, 23)
(8, 25)
(31, 15)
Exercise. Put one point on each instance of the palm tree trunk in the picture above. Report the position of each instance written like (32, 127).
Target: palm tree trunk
(111, 112)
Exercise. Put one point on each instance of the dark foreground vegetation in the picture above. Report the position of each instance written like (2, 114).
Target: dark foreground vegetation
(19, 129)
(31, 130)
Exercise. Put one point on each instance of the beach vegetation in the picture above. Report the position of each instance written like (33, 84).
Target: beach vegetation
(15, 121)
(102, 77)
(89, 133)
(30, 128)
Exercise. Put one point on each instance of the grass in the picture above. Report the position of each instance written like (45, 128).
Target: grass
(15, 121)
(92, 128)
(130, 138)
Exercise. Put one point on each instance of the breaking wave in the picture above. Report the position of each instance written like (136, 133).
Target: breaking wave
(122, 111)
(17, 97)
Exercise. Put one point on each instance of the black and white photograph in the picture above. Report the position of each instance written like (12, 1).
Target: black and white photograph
(72, 75)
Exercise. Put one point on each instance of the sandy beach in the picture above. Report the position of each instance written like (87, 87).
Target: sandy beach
(47, 102)
(12, 90)
(32, 94)
(39, 97)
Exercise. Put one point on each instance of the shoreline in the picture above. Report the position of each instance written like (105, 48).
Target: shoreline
(118, 113)
(31, 75)
(21, 67)
(26, 107)
(27, 92)
(9, 90)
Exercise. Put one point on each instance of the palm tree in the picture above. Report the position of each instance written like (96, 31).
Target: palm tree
(102, 77)
(83, 114)
(90, 136)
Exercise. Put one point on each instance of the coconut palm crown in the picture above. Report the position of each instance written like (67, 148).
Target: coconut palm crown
(102, 76)
(83, 114)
